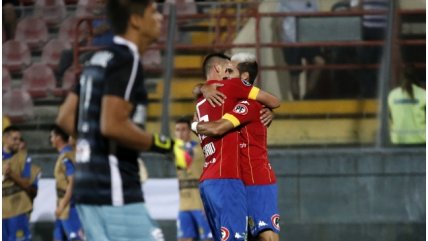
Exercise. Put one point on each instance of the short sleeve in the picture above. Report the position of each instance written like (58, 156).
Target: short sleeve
(237, 89)
(69, 167)
(26, 172)
(243, 112)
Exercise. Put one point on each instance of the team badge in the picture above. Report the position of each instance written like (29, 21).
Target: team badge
(275, 221)
(240, 109)
(224, 233)
(245, 82)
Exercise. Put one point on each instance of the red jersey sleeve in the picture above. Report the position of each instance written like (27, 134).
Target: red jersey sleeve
(237, 89)
(243, 112)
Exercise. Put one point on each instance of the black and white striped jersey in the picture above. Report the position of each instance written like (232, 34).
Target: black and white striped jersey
(106, 172)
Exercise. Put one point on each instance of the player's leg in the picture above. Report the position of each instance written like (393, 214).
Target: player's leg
(5, 229)
(202, 225)
(226, 208)
(19, 228)
(129, 222)
(263, 212)
(92, 222)
(185, 227)
(58, 233)
(72, 226)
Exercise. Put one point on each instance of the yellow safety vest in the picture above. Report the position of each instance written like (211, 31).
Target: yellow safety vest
(190, 198)
(407, 116)
(61, 180)
(15, 199)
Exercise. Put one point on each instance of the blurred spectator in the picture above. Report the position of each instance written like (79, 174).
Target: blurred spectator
(102, 36)
(67, 224)
(294, 56)
(5, 122)
(407, 106)
(10, 17)
(16, 177)
(373, 28)
(341, 83)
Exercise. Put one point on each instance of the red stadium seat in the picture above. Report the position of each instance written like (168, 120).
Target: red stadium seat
(52, 51)
(68, 32)
(152, 58)
(85, 8)
(38, 80)
(16, 56)
(68, 81)
(182, 6)
(18, 105)
(33, 31)
(52, 11)
(6, 81)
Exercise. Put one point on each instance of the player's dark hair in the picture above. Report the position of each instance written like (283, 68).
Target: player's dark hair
(10, 129)
(184, 120)
(212, 59)
(60, 132)
(251, 67)
(119, 12)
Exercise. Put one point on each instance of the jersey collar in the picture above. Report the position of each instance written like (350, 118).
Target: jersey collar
(119, 40)
(66, 148)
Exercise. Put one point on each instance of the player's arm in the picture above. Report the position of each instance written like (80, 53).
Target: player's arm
(265, 98)
(69, 167)
(213, 128)
(116, 124)
(210, 93)
(67, 113)
(21, 179)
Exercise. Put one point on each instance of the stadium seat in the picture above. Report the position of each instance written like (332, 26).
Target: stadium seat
(6, 81)
(38, 80)
(182, 6)
(52, 11)
(52, 51)
(85, 8)
(152, 58)
(68, 81)
(67, 30)
(33, 31)
(18, 105)
(16, 56)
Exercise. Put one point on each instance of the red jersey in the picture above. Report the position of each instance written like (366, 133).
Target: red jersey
(254, 162)
(222, 153)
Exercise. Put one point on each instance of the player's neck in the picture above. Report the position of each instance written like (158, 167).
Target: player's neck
(61, 146)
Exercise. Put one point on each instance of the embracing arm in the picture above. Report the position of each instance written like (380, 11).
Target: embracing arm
(268, 99)
(213, 128)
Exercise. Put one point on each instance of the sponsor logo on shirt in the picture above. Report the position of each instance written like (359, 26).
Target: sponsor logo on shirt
(262, 224)
(240, 109)
(275, 221)
(224, 233)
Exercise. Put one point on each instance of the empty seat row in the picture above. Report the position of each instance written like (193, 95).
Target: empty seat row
(18, 105)
(39, 81)
(17, 55)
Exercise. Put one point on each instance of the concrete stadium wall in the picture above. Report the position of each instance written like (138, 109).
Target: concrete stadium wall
(336, 194)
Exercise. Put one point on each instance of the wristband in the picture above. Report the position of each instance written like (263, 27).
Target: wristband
(194, 126)
(161, 144)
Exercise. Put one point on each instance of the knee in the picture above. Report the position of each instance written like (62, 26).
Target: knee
(269, 236)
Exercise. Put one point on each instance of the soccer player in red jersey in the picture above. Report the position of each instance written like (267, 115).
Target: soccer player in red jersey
(256, 171)
(222, 190)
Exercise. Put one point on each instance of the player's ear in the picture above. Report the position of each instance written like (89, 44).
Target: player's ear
(217, 68)
(135, 21)
(245, 76)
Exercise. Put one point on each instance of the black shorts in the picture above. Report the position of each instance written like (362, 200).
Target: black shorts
(294, 56)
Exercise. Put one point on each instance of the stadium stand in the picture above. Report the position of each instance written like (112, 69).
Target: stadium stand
(51, 52)
(67, 30)
(32, 31)
(38, 80)
(16, 56)
(18, 105)
(6, 80)
(52, 11)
